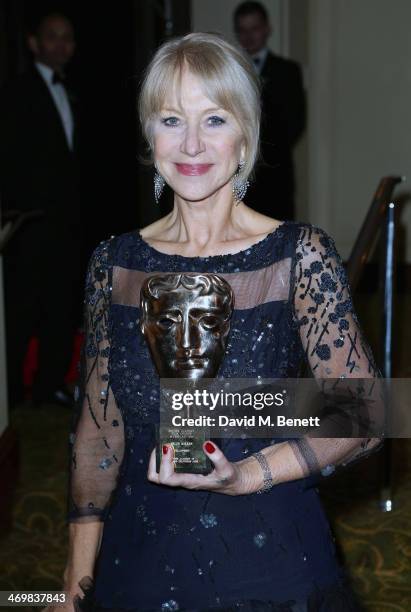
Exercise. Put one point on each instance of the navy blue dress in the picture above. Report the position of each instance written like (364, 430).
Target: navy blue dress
(175, 549)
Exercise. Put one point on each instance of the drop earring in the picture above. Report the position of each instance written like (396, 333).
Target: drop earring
(240, 185)
(159, 183)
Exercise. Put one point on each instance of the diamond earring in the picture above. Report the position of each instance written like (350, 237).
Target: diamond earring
(240, 185)
(159, 183)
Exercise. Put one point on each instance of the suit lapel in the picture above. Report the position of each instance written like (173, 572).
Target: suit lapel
(50, 107)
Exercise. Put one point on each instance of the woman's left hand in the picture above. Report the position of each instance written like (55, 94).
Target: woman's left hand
(228, 477)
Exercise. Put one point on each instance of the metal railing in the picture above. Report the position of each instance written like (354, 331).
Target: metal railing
(370, 228)
(380, 222)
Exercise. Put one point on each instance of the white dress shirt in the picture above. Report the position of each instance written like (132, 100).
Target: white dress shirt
(259, 59)
(59, 95)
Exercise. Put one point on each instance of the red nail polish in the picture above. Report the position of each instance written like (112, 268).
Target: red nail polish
(165, 449)
(210, 448)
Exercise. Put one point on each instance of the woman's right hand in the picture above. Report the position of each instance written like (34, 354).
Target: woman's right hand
(83, 591)
(77, 580)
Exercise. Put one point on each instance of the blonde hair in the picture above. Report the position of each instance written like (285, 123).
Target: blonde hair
(227, 74)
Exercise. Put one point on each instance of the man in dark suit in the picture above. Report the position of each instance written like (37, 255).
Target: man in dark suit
(283, 114)
(39, 171)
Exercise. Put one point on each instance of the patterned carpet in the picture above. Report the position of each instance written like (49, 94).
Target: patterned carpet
(32, 556)
(376, 546)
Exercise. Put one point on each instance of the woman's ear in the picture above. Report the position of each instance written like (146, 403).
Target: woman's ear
(243, 150)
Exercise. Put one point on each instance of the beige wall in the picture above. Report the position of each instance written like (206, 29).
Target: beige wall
(297, 26)
(360, 100)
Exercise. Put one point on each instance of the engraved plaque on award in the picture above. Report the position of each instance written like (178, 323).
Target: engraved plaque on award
(185, 319)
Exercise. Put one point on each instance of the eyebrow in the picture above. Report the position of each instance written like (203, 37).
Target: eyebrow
(207, 110)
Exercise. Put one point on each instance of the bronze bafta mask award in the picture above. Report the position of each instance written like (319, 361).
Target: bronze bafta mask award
(185, 319)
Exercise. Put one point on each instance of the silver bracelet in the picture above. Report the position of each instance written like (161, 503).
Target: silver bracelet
(268, 481)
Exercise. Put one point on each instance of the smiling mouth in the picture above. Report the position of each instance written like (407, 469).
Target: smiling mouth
(193, 169)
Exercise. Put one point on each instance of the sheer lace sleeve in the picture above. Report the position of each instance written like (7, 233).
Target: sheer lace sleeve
(332, 341)
(97, 434)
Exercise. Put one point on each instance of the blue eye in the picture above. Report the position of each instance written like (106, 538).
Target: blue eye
(215, 120)
(170, 121)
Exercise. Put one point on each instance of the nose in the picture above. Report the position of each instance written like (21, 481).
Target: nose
(192, 143)
(188, 335)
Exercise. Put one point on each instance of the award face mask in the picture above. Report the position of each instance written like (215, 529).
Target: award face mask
(186, 320)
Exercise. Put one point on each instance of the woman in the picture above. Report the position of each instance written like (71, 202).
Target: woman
(168, 541)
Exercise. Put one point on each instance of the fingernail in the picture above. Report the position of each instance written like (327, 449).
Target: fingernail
(165, 449)
(210, 448)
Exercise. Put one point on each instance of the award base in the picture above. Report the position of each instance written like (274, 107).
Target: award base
(187, 443)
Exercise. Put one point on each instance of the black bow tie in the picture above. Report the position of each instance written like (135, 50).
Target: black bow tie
(58, 78)
(257, 61)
